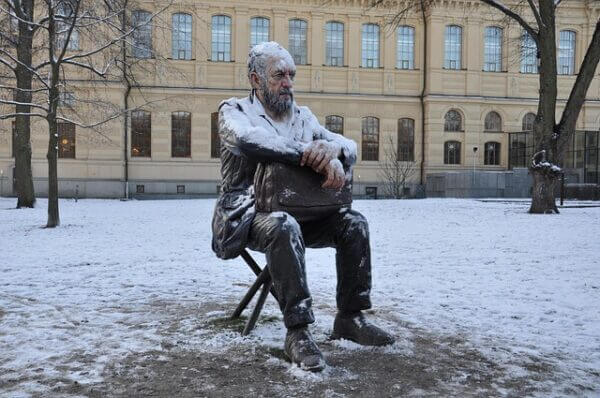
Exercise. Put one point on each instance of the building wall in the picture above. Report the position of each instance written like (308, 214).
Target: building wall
(351, 91)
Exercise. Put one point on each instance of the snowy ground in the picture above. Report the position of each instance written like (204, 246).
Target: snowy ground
(127, 299)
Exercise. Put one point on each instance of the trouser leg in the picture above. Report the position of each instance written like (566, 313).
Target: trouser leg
(348, 232)
(278, 235)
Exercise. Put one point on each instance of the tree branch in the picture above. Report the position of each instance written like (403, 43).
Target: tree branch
(511, 14)
(12, 115)
(9, 102)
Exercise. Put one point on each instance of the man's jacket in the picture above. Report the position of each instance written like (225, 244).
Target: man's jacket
(250, 137)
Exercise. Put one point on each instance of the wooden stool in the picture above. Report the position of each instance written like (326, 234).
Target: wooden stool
(263, 278)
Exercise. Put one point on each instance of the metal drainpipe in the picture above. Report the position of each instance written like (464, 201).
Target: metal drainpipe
(422, 97)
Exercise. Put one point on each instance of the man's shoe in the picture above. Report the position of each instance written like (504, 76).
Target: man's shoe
(356, 328)
(302, 350)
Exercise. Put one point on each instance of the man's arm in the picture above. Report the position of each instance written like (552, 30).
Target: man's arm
(347, 146)
(255, 143)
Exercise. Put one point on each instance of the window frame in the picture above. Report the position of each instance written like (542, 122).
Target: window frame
(298, 47)
(177, 44)
(448, 129)
(221, 39)
(141, 46)
(453, 37)
(330, 44)
(492, 49)
(186, 136)
(491, 157)
(370, 139)
(525, 121)
(401, 62)
(333, 121)
(260, 32)
(406, 140)
(487, 122)
(141, 120)
(370, 46)
(215, 139)
(566, 53)
(529, 60)
(456, 156)
(68, 150)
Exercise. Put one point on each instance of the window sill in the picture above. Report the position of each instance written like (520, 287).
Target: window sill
(181, 59)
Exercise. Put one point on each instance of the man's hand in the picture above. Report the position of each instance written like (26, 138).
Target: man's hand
(335, 175)
(318, 154)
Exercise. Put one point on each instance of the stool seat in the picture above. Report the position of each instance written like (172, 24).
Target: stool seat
(263, 279)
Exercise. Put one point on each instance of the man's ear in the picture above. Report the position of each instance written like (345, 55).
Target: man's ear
(254, 80)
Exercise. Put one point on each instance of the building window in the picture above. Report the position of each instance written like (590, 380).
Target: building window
(140, 189)
(180, 188)
(406, 140)
(405, 50)
(453, 121)
(14, 138)
(334, 44)
(215, 140)
(370, 138)
(453, 47)
(259, 30)
(65, 19)
(182, 36)
(492, 57)
(528, 121)
(529, 63)
(370, 45)
(181, 134)
(141, 134)
(66, 141)
(492, 153)
(335, 124)
(66, 99)
(566, 52)
(493, 122)
(297, 41)
(451, 152)
(141, 46)
(221, 38)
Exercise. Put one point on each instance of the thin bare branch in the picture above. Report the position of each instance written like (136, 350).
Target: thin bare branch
(511, 14)
(31, 104)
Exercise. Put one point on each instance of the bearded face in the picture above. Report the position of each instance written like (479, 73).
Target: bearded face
(279, 100)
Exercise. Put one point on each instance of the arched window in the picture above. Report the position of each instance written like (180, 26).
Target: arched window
(405, 47)
(141, 134)
(297, 41)
(528, 121)
(451, 152)
(370, 45)
(493, 122)
(66, 140)
(370, 138)
(221, 38)
(406, 140)
(181, 134)
(141, 46)
(182, 36)
(491, 153)
(528, 54)
(335, 124)
(259, 30)
(453, 47)
(453, 121)
(566, 52)
(492, 54)
(215, 140)
(334, 44)
(64, 15)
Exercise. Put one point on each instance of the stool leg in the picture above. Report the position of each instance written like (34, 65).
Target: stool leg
(262, 278)
(259, 305)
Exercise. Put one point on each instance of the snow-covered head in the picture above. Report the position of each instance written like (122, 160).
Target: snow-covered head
(271, 72)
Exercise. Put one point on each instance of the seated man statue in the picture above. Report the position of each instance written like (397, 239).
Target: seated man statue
(268, 126)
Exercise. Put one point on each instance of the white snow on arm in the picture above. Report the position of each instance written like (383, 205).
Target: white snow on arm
(321, 133)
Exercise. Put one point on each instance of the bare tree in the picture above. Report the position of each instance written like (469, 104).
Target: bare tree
(538, 19)
(16, 38)
(394, 172)
(61, 26)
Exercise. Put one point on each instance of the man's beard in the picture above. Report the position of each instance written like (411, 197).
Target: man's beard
(273, 101)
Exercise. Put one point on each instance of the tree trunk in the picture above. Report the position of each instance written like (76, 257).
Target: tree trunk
(53, 216)
(542, 195)
(23, 173)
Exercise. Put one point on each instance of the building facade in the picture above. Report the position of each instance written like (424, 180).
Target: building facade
(443, 91)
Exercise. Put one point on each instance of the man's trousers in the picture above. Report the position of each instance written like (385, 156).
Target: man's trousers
(283, 240)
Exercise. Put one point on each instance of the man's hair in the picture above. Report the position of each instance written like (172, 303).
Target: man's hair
(260, 53)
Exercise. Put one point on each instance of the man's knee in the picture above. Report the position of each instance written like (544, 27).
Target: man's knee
(355, 225)
(283, 226)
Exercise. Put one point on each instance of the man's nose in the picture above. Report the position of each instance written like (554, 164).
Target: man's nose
(286, 82)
